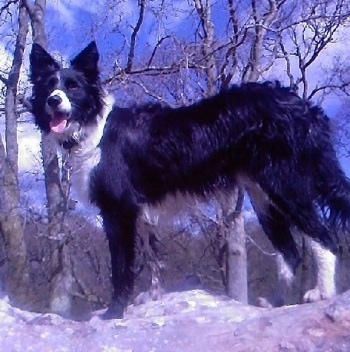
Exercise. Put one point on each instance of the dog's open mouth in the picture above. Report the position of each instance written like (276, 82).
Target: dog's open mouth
(59, 121)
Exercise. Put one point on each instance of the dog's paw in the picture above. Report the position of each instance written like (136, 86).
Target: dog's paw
(315, 295)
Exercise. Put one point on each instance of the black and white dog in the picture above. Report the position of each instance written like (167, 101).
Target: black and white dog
(262, 136)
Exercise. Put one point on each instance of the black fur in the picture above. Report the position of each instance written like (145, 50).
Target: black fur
(263, 134)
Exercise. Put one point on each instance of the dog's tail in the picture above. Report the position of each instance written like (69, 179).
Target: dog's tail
(332, 185)
(335, 197)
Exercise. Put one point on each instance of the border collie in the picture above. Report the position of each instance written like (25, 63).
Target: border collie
(262, 136)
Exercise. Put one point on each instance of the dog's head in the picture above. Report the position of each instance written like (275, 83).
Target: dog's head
(65, 100)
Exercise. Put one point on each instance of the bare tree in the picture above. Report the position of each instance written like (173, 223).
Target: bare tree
(305, 39)
(61, 269)
(263, 20)
(17, 278)
(233, 233)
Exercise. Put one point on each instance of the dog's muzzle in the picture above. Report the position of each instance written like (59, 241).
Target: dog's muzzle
(59, 108)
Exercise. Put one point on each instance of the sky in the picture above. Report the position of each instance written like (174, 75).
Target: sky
(72, 24)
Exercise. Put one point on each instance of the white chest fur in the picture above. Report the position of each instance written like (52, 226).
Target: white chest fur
(82, 165)
(84, 157)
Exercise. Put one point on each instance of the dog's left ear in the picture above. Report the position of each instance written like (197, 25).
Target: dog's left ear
(86, 61)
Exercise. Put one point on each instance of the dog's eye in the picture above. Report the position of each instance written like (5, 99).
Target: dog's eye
(51, 83)
(71, 85)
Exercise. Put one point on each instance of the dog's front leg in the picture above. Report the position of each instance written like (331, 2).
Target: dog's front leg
(119, 224)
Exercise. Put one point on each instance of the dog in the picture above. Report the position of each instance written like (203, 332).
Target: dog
(262, 136)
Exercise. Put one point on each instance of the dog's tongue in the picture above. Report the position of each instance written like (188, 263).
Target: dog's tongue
(58, 122)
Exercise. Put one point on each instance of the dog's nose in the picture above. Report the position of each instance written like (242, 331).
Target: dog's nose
(54, 101)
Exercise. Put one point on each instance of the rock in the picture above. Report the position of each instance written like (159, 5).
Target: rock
(185, 321)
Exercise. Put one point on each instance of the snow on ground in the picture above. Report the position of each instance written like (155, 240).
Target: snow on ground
(185, 321)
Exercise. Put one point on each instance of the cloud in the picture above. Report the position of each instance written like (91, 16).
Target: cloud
(70, 12)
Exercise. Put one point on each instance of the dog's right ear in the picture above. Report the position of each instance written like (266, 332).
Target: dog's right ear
(41, 62)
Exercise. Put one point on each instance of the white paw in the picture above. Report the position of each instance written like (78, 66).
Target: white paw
(315, 295)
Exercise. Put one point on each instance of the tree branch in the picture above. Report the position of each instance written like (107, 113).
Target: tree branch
(4, 80)
(7, 5)
(131, 55)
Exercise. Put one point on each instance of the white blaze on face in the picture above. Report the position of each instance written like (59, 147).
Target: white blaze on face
(60, 113)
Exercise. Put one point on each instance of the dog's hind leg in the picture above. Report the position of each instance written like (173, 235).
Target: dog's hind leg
(325, 261)
(322, 244)
(323, 248)
(277, 228)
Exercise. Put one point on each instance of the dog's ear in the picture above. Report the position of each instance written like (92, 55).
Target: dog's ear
(86, 61)
(41, 62)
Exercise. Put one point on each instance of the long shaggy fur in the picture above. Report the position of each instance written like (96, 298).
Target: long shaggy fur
(261, 135)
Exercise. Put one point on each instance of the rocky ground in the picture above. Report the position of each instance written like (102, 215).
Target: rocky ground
(185, 321)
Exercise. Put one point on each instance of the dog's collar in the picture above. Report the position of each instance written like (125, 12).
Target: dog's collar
(72, 140)
(69, 143)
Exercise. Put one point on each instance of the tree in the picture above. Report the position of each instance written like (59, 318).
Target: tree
(11, 223)
(17, 277)
(232, 231)
(303, 40)
(61, 282)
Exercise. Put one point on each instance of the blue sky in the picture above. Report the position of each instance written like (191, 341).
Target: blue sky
(72, 24)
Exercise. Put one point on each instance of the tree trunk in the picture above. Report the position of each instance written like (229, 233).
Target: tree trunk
(61, 282)
(236, 260)
(232, 230)
(252, 71)
(233, 257)
(207, 46)
(17, 274)
(60, 264)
